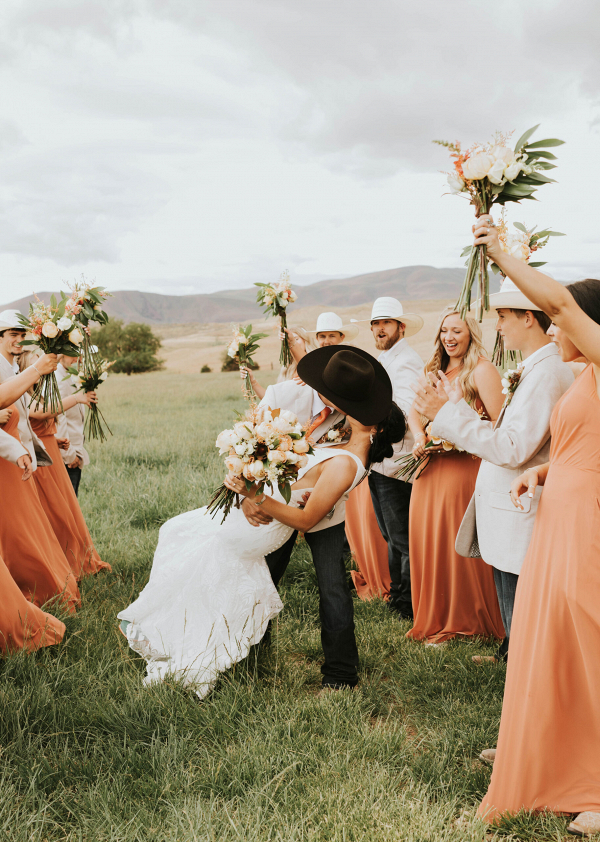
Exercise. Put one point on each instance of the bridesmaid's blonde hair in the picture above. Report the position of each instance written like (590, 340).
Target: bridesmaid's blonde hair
(439, 359)
(24, 360)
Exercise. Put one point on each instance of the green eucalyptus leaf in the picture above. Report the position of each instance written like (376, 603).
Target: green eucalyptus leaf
(520, 226)
(540, 153)
(549, 141)
(53, 302)
(544, 165)
(538, 264)
(525, 137)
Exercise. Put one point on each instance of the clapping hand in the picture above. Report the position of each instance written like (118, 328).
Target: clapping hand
(430, 396)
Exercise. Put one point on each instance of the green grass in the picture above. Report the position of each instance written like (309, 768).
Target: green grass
(88, 753)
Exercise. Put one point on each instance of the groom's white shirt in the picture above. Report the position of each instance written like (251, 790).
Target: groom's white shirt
(520, 439)
(303, 401)
(29, 440)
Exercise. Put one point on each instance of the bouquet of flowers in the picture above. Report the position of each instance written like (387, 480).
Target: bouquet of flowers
(54, 332)
(242, 346)
(494, 174)
(411, 465)
(85, 306)
(88, 381)
(265, 446)
(275, 299)
(522, 244)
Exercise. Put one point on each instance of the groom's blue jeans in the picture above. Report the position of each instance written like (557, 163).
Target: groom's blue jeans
(336, 609)
(391, 501)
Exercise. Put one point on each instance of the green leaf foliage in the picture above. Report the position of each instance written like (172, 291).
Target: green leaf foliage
(549, 141)
(525, 137)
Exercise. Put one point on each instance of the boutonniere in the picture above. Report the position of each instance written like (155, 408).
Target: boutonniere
(336, 434)
(510, 382)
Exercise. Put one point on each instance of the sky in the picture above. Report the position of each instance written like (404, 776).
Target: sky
(183, 146)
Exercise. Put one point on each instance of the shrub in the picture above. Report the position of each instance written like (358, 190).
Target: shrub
(206, 369)
(133, 347)
(233, 363)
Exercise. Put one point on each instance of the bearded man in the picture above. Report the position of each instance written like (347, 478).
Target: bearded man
(391, 496)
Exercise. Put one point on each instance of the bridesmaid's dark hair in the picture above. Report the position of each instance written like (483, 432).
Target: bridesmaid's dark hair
(389, 431)
(587, 296)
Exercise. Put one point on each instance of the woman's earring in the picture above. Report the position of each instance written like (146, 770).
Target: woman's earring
(371, 437)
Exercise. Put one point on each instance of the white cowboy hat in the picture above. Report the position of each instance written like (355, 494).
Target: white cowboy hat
(509, 297)
(9, 320)
(331, 321)
(390, 308)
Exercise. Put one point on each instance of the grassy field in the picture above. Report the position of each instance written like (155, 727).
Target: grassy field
(88, 753)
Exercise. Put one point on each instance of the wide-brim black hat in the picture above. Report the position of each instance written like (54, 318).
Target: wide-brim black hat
(351, 379)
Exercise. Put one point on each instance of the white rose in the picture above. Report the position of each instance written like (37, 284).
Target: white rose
(240, 449)
(257, 469)
(243, 430)
(512, 171)
(281, 425)
(521, 251)
(76, 337)
(505, 382)
(292, 296)
(289, 417)
(75, 380)
(264, 413)
(455, 183)
(104, 375)
(292, 457)
(64, 323)
(477, 166)
(302, 461)
(235, 465)
(247, 471)
(300, 446)
(266, 431)
(332, 435)
(502, 153)
(275, 457)
(226, 440)
(496, 172)
(50, 330)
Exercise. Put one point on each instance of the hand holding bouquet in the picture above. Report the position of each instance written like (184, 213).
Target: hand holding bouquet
(54, 332)
(494, 174)
(275, 299)
(266, 447)
(88, 381)
(242, 346)
(415, 465)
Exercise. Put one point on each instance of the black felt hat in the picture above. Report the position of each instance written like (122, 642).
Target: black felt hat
(351, 379)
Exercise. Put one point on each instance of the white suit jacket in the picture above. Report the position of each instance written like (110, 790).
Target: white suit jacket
(69, 425)
(520, 439)
(33, 446)
(298, 399)
(404, 366)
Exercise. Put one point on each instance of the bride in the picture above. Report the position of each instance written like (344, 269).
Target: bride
(210, 596)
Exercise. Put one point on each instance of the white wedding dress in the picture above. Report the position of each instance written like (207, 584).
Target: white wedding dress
(210, 595)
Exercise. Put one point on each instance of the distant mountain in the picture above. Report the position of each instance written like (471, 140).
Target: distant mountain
(409, 283)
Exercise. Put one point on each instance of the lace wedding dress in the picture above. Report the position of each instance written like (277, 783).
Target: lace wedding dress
(210, 596)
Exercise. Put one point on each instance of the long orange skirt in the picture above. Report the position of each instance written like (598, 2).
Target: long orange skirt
(451, 595)
(368, 545)
(28, 545)
(62, 508)
(23, 625)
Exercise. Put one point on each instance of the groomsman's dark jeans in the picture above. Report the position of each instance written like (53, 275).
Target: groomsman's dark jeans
(391, 501)
(335, 602)
(75, 477)
(506, 588)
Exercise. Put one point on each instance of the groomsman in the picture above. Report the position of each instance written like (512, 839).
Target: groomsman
(520, 439)
(69, 424)
(11, 335)
(391, 496)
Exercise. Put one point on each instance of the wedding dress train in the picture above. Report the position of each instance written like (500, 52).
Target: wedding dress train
(210, 596)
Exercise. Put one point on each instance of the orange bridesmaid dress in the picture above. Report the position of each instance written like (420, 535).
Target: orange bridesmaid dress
(368, 545)
(451, 595)
(28, 545)
(23, 625)
(548, 754)
(62, 507)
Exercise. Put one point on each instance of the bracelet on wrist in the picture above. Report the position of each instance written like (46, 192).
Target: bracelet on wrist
(261, 501)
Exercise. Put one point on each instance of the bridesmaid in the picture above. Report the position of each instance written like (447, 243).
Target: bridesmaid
(369, 547)
(548, 754)
(56, 492)
(451, 595)
(23, 625)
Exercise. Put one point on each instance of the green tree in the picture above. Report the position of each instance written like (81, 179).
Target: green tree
(133, 347)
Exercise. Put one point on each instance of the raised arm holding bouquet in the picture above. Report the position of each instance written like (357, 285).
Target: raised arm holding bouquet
(492, 174)
(243, 345)
(54, 332)
(274, 298)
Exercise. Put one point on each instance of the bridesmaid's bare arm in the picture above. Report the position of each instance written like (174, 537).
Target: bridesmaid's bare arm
(489, 386)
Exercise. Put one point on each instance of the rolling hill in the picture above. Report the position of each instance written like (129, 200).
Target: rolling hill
(409, 283)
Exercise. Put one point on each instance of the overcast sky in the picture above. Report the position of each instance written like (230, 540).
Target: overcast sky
(189, 145)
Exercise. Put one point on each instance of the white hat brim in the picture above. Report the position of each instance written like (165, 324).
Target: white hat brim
(506, 300)
(350, 332)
